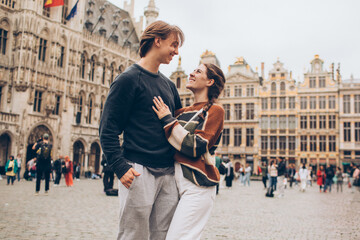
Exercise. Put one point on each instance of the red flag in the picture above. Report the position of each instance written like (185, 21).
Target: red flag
(53, 3)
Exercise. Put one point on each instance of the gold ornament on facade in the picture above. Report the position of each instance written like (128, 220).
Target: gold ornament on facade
(239, 61)
(207, 53)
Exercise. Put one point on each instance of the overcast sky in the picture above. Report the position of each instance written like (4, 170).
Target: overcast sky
(263, 30)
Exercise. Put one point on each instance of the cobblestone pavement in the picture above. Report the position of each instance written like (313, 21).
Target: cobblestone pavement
(85, 212)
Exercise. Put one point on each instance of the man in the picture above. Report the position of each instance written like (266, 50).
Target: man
(291, 174)
(57, 169)
(264, 173)
(281, 175)
(18, 159)
(43, 162)
(108, 179)
(144, 164)
(329, 172)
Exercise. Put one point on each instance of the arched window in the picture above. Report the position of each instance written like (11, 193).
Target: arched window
(92, 68)
(83, 65)
(90, 108)
(273, 88)
(104, 72)
(80, 107)
(4, 36)
(178, 82)
(112, 73)
(282, 86)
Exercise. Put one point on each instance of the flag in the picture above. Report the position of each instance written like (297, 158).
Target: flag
(72, 12)
(53, 3)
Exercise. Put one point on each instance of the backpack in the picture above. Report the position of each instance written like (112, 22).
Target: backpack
(44, 152)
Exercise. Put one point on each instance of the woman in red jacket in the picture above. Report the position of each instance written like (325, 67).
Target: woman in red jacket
(320, 177)
(69, 171)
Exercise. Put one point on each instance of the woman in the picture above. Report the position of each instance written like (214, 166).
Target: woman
(303, 174)
(273, 175)
(69, 171)
(195, 133)
(229, 175)
(11, 168)
(339, 176)
(320, 177)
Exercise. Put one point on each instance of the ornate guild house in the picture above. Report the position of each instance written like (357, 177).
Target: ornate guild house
(55, 73)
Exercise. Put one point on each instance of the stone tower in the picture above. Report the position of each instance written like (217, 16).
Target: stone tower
(151, 12)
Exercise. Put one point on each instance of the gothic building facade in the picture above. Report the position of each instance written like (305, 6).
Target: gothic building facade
(55, 74)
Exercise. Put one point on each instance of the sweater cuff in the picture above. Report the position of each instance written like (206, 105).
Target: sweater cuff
(167, 120)
(120, 170)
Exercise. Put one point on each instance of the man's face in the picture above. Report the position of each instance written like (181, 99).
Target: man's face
(168, 48)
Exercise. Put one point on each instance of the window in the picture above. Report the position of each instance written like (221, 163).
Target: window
(322, 143)
(303, 122)
(90, 107)
(356, 103)
(303, 143)
(312, 81)
(357, 132)
(303, 102)
(64, 11)
(332, 121)
(282, 84)
(264, 103)
(187, 102)
(292, 122)
(227, 91)
(92, 68)
(264, 143)
(112, 72)
(101, 107)
(250, 90)
(312, 102)
(322, 102)
(80, 108)
(57, 105)
(226, 137)
(347, 132)
(37, 101)
(346, 100)
(103, 78)
(238, 91)
(273, 144)
(332, 143)
(264, 122)
(249, 137)
(238, 111)
(292, 142)
(237, 137)
(322, 122)
(282, 141)
(42, 49)
(273, 103)
(331, 102)
(312, 122)
(178, 82)
(291, 102)
(282, 103)
(273, 122)
(322, 82)
(282, 122)
(60, 62)
(46, 10)
(3, 40)
(227, 111)
(313, 143)
(250, 111)
(273, 88)
(82, 66)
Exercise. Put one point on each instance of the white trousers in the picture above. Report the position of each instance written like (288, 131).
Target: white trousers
(303, 183)
(193, 210)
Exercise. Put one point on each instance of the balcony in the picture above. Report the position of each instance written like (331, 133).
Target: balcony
(8, 3)
(9, 118)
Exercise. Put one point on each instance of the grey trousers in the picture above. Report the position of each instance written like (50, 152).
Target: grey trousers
(147, 207)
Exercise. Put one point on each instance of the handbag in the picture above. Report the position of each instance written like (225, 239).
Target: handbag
(9, 169)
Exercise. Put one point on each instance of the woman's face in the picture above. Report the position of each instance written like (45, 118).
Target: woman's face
(198, 79)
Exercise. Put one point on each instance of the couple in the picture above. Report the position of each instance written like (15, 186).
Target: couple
(160, 199)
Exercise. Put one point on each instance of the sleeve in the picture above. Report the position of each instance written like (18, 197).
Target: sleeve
(113, 121)
(197, 143)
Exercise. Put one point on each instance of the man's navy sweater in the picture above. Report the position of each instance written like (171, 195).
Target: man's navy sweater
(128, 110)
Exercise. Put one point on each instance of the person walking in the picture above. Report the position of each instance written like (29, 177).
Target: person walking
(57, 169)
(195, 132)
(291, 174)
(320, 177)
(281, 175)
(144, 163)
(339, 177)
(329, 174)
(247, 174)
(43, 162)
(108, 179)
(19, 162)
(229, 176)
(273, 175)
(69, 172)
(241, 174)
(11, 168)
(264, 173)
(303, 174)
(310, 176)
(77, 171)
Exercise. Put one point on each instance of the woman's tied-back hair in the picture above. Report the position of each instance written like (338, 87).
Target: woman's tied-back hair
(214, 72)
(158, 29)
